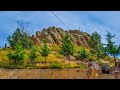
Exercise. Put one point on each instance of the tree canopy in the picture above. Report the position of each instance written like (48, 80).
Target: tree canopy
(20, 36)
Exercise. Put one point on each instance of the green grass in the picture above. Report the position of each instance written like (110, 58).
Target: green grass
(56, 66)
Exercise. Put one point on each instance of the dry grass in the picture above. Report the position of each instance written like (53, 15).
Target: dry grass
(3, 55)
(54, 58)
(49, 74)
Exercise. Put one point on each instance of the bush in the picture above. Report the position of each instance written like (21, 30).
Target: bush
(40, 59)
(56, 66)
(68, 66)
(7, 65)
(91, 57)
(75, 66)
(77, 48)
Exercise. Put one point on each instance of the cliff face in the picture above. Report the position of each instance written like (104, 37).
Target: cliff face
(54, 36)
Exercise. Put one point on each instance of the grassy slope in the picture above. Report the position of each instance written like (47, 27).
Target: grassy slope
(54, 59)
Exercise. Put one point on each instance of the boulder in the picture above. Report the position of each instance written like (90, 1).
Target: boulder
(106, 68)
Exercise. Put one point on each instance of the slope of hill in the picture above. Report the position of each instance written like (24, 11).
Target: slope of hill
(54, 36)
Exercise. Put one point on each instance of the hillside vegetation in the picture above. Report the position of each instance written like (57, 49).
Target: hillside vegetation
(55, 48)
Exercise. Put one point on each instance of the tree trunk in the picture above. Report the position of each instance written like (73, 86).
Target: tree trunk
(115, 61)
(69, 60)
(14, 61)
(45, 60)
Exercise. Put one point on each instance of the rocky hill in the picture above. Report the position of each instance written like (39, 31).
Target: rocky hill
(54, 36)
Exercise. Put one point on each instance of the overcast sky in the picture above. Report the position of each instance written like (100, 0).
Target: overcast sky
(88, 21)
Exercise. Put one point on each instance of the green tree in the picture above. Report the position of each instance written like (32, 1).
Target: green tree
(17, 55)
(45, 50)
(101, 52)
(111, 48)
(83, 54)
(19, 36)
(67, 47)
(5, 45)
(96, 47)
(94, 42)
(33, 54)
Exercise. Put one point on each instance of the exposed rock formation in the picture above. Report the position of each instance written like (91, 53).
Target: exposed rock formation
(54, 35)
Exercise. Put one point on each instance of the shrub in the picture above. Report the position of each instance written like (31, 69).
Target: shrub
(82, 54)
(40, 59)
(7, 65)
(77, 66)
(56, 66)
(91, 57)
(53, 59)
(68, 66)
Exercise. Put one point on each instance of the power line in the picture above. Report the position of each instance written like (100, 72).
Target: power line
(66, 26)
(60, 20)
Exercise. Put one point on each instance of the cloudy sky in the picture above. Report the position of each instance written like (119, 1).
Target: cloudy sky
(88, 21)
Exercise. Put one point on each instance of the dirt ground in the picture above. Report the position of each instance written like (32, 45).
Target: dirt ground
(75, 73)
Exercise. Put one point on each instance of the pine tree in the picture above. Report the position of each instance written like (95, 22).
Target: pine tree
(94, 42)
(82, 54)
(111, 48)
(96, 47)
(32, 54)
(101, 52)
(17, 55)
(5, 45)
(67, 47)
(45, 50)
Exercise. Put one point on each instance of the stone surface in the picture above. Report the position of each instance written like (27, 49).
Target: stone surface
(54, 35)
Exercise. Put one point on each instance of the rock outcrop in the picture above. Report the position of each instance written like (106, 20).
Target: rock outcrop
(54, 35)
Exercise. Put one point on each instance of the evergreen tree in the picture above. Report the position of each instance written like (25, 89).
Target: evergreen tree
(17, 55)
(82, 54)
(45, 50)
(5, 45)
(101, 52)
(94, 42)
(67, 47)
(33, 54)
(111, 48)
(96, 47)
